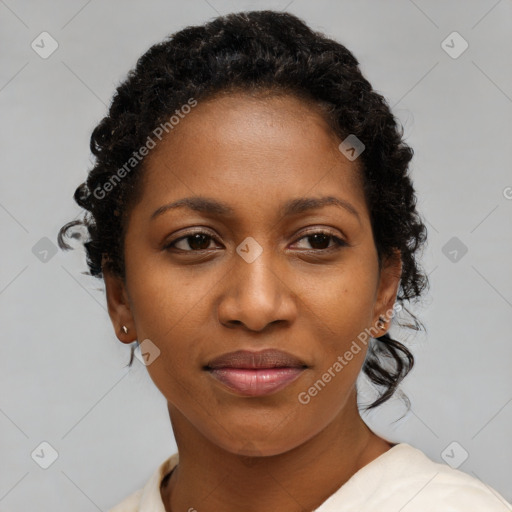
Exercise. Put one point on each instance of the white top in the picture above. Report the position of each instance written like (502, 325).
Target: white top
(401, 479)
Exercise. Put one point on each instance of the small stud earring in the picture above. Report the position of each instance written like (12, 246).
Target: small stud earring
(381, 322)
(124, 329)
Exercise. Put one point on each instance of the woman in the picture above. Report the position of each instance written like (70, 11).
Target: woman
(251, 214)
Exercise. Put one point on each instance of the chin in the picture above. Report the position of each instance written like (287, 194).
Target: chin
(259, 441)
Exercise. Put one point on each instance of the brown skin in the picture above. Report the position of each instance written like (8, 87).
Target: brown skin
(299, 296)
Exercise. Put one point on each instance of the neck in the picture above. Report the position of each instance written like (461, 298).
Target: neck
(209, 478)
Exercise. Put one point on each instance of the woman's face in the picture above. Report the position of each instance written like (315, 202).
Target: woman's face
(256, 277)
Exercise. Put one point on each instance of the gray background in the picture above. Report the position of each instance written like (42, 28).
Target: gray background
(63, 373)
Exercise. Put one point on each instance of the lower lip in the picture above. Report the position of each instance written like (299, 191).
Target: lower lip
(256, 382)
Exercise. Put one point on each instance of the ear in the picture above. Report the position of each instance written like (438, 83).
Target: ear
(389, 282)
(119, 307)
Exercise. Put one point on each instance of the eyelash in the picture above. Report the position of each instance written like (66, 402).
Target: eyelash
(338, 241)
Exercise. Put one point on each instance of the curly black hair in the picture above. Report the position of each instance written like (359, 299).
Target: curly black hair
(258, 51)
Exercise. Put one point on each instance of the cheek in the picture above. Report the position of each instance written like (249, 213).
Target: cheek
(339, 360)
(343, 310)
(168, 314)
(345, 302)
(167, 300)
(177, 372)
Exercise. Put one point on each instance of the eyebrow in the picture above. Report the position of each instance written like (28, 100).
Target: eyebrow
(292, 207)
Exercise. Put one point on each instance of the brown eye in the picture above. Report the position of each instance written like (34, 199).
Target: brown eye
(319, 240)
(195, 241)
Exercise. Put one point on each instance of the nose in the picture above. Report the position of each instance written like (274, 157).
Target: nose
(256, 294)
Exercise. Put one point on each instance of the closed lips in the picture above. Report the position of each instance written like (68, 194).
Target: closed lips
(255, 374)
(246, 359)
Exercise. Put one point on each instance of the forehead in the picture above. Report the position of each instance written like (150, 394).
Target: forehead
(251, 143)
(231, 117)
